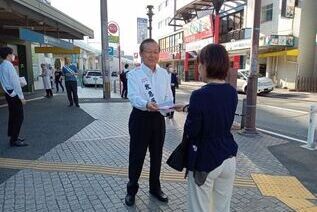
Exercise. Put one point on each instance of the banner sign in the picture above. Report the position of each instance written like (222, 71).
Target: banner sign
(198, 29)
(28, 35)
(288, 8)
(279, 40)
(57, 50)
(141, 29)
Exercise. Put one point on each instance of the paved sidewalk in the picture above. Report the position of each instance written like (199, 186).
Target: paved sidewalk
(88, 170)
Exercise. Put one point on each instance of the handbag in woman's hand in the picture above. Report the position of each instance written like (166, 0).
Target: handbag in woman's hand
(178, 159)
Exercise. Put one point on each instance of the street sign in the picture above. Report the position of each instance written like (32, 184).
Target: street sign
(112, 28)
(113, 39)
(110, 51)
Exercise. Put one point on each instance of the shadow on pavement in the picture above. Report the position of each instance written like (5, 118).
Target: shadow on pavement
(47, 123)
(300, 162)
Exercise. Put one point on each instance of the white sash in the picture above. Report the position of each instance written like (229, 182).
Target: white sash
(69, 70)
(147, 86)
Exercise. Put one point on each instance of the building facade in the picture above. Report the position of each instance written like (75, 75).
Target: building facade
(287, 46)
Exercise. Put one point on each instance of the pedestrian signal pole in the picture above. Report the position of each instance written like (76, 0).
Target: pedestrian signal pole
(105, 61)
(253, 79)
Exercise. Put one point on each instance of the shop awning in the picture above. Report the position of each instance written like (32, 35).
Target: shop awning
(292, 52)
(39, 17)
(200, 8)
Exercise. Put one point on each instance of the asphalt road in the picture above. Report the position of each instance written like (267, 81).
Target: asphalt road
(276, 113)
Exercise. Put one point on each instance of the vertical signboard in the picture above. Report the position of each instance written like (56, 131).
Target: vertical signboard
(288, 8)
(141, 29)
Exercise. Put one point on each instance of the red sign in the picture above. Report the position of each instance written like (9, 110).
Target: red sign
(165, 56)
(198, 29)
(112, 28)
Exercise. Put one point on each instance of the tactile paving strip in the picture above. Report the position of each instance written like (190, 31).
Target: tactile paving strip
(296, 204)
(287, 189)
(313, 209)
(281, 186)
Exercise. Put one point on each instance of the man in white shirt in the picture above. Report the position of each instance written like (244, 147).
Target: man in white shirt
(148, 89)
(10, 82)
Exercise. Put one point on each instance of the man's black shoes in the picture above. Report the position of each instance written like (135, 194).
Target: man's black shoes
(129, 200)
(18, 143)
(21, 139)
(160, 196)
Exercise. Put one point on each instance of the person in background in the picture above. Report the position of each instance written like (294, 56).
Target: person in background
(51, 75)
(212, 151)
(70, 72)
(149, 86)
(58, 79)
(124, 80)
(46, 76)
(10, 83)
(174, 84)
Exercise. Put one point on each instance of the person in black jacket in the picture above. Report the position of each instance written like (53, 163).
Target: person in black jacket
(212, 149)
(124, 80)
(174, 84)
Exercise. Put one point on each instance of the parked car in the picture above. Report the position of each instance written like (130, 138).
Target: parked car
(265, 85)
(92, 77)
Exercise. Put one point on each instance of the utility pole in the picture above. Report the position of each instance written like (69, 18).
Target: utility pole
(150, 15)
(105, 62)
(253, 79)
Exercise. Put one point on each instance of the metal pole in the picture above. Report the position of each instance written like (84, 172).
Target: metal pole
(244, 103)
(252, 79)
(105, 61)
(150, 14)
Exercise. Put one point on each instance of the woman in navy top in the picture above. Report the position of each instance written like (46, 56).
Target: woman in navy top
(211, 154)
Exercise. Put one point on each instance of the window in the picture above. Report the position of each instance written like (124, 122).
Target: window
(166, 3)
(267, 13)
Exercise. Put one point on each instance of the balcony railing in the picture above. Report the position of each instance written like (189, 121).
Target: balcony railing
(235, 35)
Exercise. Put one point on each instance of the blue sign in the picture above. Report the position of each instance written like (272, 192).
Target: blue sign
(32, 36)
(110, 51)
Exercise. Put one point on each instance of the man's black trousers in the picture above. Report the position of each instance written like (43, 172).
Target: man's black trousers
(71, 88)
(147, 130)
(15, 116)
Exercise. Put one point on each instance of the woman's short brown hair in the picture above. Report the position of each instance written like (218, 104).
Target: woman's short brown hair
(216, 61)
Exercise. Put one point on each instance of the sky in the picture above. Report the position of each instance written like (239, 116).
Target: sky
(124, 12)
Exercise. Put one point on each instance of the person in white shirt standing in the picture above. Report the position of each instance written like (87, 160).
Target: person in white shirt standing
(10, 82)
(149, 87)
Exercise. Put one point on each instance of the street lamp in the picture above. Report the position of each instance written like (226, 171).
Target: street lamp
(150, 14)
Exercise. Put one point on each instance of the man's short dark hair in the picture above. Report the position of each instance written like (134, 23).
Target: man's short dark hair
(126, 65)
(216, 61)
(167, 65)
(5, 51)
(146, 41)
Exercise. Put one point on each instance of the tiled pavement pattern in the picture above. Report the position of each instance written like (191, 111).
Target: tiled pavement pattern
(105, 142)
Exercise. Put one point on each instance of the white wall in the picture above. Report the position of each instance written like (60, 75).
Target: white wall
(162, 15)
(286, 72)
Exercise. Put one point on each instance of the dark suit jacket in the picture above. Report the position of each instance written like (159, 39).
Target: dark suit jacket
(210, 117)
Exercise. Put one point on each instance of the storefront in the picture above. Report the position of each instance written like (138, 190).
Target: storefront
(50, 28)
(197, 34)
